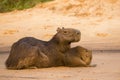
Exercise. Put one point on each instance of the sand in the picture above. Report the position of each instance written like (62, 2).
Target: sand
(99, 23)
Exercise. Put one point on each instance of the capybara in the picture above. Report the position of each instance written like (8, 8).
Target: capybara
(78, 57)
(31, 52)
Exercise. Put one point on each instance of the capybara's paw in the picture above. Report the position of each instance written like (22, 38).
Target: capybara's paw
(94, 65)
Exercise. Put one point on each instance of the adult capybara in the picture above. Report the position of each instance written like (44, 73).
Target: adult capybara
(78, 57)
(31, 52)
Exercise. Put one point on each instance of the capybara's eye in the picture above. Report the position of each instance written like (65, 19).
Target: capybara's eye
(65, 32)
(87, 55)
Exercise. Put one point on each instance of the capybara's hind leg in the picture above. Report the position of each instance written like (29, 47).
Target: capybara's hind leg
(42, 60)
(26, 62)
(22, 56)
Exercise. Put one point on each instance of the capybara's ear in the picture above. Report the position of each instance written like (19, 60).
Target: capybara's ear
(58, 29)
(63, 28)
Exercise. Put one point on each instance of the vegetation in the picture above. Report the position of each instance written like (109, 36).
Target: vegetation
(10, 5)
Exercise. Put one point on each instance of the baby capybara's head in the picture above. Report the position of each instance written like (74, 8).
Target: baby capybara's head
(85, 54)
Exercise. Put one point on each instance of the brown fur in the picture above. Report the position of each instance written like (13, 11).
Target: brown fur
(31, 52)
(78, 56)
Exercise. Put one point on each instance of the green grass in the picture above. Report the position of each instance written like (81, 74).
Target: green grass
(10, 5)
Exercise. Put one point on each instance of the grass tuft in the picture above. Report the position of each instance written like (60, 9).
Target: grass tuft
(10, 5)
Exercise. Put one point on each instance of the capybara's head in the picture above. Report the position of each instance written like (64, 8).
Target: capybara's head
(68, 35)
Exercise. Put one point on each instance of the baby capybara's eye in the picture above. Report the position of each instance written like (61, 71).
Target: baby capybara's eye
(77, 33)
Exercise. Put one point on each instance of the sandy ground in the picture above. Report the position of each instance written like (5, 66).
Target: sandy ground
(99, 23)
(108, 68)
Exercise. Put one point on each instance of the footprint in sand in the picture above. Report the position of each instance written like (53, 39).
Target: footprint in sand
(10, 32)
(102, 34)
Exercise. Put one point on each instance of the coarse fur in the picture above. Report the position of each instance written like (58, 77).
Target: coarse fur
(78, 57)
(31, 52)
